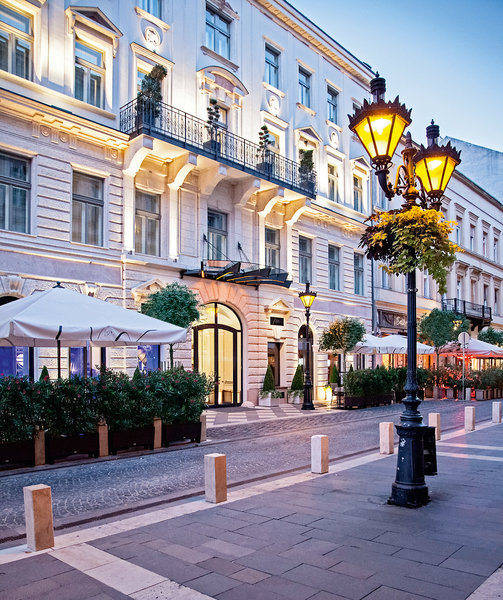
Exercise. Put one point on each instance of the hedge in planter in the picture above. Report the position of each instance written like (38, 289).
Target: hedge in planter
(368, 387)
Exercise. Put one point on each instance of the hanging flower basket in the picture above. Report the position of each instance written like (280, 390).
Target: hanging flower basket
(409, 239)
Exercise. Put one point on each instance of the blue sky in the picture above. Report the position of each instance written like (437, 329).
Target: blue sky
(443, 57)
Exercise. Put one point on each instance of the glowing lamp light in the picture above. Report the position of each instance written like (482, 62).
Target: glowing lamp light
(434, 167)
(307, 297)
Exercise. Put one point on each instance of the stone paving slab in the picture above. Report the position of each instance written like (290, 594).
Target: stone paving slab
(324, 537)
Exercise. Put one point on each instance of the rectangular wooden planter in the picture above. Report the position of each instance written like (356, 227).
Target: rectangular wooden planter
(62, 446)
(131, 439)
(173, 432)
(18, 453)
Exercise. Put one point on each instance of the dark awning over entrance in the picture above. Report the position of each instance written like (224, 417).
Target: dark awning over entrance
(240, 272)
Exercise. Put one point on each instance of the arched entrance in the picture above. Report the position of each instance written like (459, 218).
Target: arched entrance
(218, 351)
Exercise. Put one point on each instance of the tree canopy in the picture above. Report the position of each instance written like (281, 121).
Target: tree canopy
(342, 335)
(491, 336)
(440, 326)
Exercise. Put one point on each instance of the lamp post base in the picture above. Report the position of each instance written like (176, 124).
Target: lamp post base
(409, 489)
(307, 406)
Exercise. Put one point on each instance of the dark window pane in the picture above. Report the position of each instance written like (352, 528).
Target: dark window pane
(22, 59)
(4, 51)
(18, 216)
(79, 82)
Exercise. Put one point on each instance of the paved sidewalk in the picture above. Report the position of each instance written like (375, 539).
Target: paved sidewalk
(316, 537)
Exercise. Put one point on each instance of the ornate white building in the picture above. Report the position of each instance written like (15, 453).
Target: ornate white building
(114, 204)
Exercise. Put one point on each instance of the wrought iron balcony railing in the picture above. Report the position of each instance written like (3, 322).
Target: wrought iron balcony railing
(470, 310)
(166, 122)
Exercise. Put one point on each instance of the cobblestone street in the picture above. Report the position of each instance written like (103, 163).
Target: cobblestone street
(91, 489)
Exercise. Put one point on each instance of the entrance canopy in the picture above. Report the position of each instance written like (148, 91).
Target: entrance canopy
(62, 317)
(391, 344)
(475, 349)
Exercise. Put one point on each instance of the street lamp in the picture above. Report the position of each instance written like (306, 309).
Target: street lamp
(307, 298)
(422, 177)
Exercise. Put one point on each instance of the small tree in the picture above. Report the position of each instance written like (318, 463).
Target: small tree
(264, 141)
(334, 375)
(213, 111)
(491, 336)
(298, 379)
(342, 336)
(306, 165)
(439, 327)
(268, 385)
(174, 304)
(150, 95)
(44, 373)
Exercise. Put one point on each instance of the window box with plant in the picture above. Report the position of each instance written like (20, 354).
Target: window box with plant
(269, 395)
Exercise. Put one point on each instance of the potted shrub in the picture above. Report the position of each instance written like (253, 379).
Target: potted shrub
(368, 387)
(296, 391)
(269, 396)
(306, 170)
(264, 156)
(149, 98)
(212, 127)
(334, 379)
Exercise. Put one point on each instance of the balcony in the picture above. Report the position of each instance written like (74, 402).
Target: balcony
(182, 129)
(479, 314)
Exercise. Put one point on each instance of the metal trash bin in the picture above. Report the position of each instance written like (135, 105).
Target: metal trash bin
(430, 451)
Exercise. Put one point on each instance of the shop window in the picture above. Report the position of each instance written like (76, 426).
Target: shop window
(16, 42)
(14, 193)
(87, 209)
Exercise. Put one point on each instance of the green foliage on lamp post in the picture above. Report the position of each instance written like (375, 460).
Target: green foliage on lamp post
(491, 336)
(441, 326)
(174, 304)
(342, 336)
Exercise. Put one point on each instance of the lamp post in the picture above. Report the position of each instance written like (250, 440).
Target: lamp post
(307, 298)
(422, 177)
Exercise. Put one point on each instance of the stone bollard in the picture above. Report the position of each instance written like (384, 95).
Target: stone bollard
(434, 421)
(103, 438)
(215, 478)
(38, 517)
(386, 445)
(319, 454)
(157, 432)
(203, 427)
(496, 412)
(39, 447)
(469, 418)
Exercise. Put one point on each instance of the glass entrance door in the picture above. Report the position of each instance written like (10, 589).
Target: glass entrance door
(218, 352)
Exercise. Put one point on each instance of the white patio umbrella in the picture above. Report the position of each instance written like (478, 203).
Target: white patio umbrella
(391, 344)
(475, 349)
(61, 317)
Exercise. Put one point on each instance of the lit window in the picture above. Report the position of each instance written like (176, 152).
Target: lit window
(304, 87)
(14, 193)
(358, 194)
(151, 6)
(218, 35)
(217, 235)
(334, 266)
(333, 184)
(89, 74)
(147, 224)
(332, 105)
(272, 247)
(358, 273)
(16, 42)
(305, 259)
(271, 66)
(87, 209)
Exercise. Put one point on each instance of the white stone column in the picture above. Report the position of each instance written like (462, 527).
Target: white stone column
(38, 517)
(215, 478)
(496, 412)
(434, 421)
(319, 454)
(386, 438)
(469, 418)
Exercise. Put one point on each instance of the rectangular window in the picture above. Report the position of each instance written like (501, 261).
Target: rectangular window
(358, 193)
(271, 66)
(486, 294)
(472, 237)
(217, 235)
(272, 247)
(304, 87)
(358, 271)
(426, 285)
(334, 267)
(484, 243)
(332, 105)
(384, 279)
(151, 6)
(496, 301)
(459, 289)
(333, 184)
(147, 224)
(87, 209)
(496, 249)
(149, 357)
(14, 193)
(305, 260)
(457, 234)
(218, 33)
(89, 74)
(16, 42)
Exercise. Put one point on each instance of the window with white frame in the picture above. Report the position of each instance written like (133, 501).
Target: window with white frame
(89, 74)
(357, 193)
(14, 193)
(272, 247)
(304, 87)
(16, 42)
(485, 237)
(384, 278)
(151, 6)
(333, 183)
(334, 267)
(457, 232)
(217, 235)
(332, 97)
(426, 285)
(496, 243)
(459, 288)
(485, 295)
(218, 32)
(271, 75)
(358, 273)
(472, 237)
(87, 209)
(305, 259)
(147, 223)
(496, 301)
